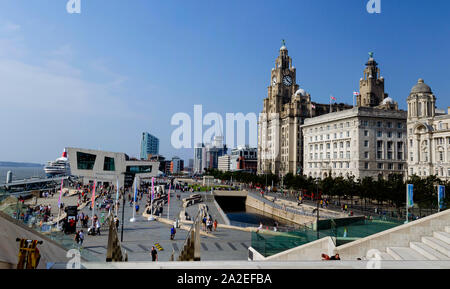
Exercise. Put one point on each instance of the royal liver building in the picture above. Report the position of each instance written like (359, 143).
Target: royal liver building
(280, 148)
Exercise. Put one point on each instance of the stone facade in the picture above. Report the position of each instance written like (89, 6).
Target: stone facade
(366, 141)
(360, 142)
(428, 134)
(280, 140)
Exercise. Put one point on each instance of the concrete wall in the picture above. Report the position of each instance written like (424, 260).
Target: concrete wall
(399, 236)
(280, 213)
(308, 252)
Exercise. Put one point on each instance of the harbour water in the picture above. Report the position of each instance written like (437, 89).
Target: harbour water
(20, 173)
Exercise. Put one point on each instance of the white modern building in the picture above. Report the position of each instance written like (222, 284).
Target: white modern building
(107, 167)
(224, 163)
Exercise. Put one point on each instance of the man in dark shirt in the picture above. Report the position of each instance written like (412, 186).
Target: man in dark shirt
(154, 254)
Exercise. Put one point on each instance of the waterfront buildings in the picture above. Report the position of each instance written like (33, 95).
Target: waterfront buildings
(206, 156)
(280, 140)
(366, 141)
(244, 158)
(149, 146)
(176, 165)
(224, 163)
(107, 167)
(428, 134)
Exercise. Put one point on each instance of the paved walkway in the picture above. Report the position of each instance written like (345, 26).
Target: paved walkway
(140, 236)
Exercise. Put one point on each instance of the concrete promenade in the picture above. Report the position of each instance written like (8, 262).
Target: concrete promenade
(140, 236)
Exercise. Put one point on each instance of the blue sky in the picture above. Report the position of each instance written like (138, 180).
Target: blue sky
(98, 79)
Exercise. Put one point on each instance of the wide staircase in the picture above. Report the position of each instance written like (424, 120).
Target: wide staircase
(436, 247)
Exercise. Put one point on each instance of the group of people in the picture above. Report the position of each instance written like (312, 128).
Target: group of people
(208, 224)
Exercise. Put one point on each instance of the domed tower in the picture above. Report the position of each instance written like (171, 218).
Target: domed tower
(421, 101)
(371, 86)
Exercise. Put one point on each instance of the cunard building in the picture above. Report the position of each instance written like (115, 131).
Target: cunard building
(280, 139)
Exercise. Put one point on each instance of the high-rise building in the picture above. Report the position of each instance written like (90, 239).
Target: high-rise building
(224, 163)
(428, 134)
(176, 165)
(149, 146)
(280, 140)
(206, 155)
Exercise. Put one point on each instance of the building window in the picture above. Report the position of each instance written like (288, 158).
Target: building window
(390, 166)
(108, 164)
(379, 133)
(400, 135)
(378, 123)
(366, 166)
(400, 167)
(366, 143)
(85, 161)
(380, 166)
(366, 133)
(399, 125)
(389, 134)
(139, 169)
(389, 155)
(366, 155)
(379, 155)
(399, 156)
(389, 124)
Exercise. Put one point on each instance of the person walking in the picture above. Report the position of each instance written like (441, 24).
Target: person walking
(215, 225)
(154, 254)
(81, 236)
(173, 231)
(97, 227)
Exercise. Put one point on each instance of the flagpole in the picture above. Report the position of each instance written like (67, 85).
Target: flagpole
(117, 194)
(151, 218)
(168, 203)
(133, 219)
(59, 204)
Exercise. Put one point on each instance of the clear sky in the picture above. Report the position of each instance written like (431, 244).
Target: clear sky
(100, 78)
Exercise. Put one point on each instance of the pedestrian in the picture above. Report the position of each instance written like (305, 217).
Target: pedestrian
(154, 254)
(173, 231)
(81, 235)
(97, 227)
(215, 225)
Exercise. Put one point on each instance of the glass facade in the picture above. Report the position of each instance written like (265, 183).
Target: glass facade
(109, 165)
(149, 145)
(85, 161)
(139, 169)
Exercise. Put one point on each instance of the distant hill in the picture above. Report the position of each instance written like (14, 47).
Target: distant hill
(20, 165)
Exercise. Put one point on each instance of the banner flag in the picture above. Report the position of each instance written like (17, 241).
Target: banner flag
(153, 188)
(410, 195)
(135, 188)
(441, 196)
(93, 195)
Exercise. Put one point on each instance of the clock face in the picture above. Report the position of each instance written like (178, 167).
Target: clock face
(274, 81)
(287, 80)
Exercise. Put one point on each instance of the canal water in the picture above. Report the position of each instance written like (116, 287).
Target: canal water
(244, 216)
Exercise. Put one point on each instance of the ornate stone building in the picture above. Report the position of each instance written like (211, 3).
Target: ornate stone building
(366, 141)
(428, 134)
(280, 140)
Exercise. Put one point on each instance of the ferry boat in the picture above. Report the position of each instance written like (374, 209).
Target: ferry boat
(59, 167)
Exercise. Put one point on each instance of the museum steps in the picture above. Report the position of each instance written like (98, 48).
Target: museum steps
(435, 247)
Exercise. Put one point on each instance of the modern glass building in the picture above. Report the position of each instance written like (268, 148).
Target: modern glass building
(149, 145)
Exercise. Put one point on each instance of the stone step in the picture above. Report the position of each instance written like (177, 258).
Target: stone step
(443, 236)
(386, 257)
(447, 229)
(405, 253)
(437, 244)
(427, 251)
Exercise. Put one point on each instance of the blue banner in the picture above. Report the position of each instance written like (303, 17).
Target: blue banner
(441, 197)
(410, 195)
